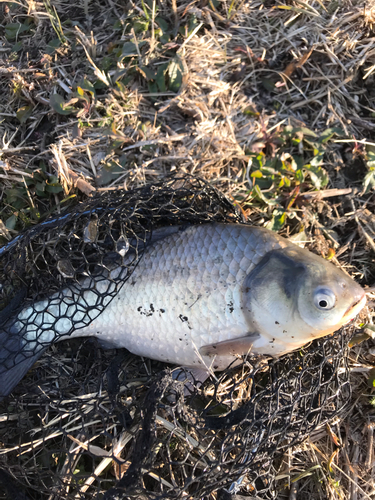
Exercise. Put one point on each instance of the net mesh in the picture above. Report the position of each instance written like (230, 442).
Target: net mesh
(92, 423)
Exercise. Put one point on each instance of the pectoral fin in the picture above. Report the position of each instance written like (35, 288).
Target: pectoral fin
(240, 346)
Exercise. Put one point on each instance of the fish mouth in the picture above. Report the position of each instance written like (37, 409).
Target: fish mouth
(355, 309)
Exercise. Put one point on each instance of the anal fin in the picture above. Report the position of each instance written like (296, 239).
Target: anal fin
(192, 378)
(234, 347)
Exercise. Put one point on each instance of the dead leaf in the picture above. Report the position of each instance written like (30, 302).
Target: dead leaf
(291, 67)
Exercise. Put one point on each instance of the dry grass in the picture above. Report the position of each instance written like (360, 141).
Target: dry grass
(247, 69)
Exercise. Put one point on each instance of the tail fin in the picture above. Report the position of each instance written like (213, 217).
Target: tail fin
(11, 376)
(16, 358)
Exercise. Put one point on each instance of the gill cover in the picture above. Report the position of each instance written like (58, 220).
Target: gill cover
(270, 292)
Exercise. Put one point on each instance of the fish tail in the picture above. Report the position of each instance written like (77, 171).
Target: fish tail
(16, 358)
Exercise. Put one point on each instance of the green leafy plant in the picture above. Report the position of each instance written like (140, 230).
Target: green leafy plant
(289, 161)
(79, 102)
(165, 76)
(369, 180)
(19, 209)
(24, 113)
(13, 30)
(371, 378)
(53, 45)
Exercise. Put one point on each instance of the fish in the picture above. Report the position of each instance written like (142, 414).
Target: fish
(202, 296)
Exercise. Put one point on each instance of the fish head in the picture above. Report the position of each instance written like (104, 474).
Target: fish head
(293, 296)
(327, 297)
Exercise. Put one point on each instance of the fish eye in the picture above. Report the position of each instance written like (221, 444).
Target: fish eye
(324, 299)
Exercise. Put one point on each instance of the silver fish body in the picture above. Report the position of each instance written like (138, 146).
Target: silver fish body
(202, 296)
(187, 292)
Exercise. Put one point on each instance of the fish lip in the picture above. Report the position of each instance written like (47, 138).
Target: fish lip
(354, 309)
